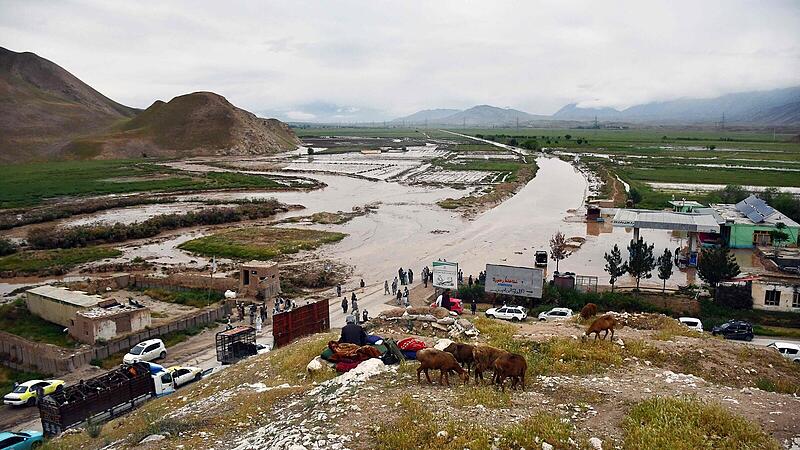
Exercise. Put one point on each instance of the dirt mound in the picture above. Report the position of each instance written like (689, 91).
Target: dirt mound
(646, 321)
(439, 313)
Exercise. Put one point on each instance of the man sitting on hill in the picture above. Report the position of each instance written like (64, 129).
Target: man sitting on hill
(352, 333)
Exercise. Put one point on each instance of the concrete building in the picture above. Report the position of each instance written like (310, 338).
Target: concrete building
(685, 205)
(57, 304)
(107, 320)
(776, 295)
(749, 223)
(259, 277)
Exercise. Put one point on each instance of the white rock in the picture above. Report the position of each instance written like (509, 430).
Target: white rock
(596, 443)
(546, 446)
(442, 434)
(153, 438)
(297, 447)
(442, 344)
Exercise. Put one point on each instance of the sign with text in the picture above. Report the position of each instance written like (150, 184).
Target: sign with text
(513, 280)
(445, 275)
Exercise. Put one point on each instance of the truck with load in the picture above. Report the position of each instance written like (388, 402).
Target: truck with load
(540, 258)
(103, 397)
(235, 344)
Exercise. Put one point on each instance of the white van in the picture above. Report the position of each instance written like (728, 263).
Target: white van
(691, 322)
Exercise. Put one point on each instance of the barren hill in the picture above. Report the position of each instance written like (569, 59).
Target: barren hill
(42, 107)
(201, 123)
(48, 113)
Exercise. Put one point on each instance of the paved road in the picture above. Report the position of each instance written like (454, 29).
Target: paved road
(763, 341)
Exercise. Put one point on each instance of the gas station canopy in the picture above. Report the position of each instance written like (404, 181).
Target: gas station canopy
(665, 220)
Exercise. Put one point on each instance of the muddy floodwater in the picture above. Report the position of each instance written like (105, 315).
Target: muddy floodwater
(410, 230)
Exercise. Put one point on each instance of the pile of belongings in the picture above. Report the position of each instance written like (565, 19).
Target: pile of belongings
(348, 356)
(410, 347)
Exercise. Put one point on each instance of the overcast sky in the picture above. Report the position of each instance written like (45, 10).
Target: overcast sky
(375, 60)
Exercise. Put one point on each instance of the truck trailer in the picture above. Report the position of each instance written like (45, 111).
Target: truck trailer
(103, 397)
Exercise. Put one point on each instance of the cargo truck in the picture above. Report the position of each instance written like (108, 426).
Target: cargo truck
(103, 397)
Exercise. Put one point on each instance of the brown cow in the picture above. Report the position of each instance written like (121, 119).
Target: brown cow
(589, 310)
(604, 323)
(430, 358)
(510, 365)
(463, 353)
(485, 357)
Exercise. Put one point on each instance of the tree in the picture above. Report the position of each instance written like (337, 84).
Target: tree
(567, 136)
(715, 265)
(665, 268)
(615, 266)
(641, 261)
(579, 141)
(634, 196)
(732, 193)
(558, 248)
(779, 236)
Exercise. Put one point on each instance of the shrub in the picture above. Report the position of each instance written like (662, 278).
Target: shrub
(684, 423)
(7, 247)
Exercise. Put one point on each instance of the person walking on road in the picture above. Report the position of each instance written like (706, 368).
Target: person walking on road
(399, 297)
(353, 303)
(473, 307)
(469, 281)
(410, 277)
(385, 287)
(362, 283)
(344, 305)
(338, 290)
(365, 316)
(394, 286)
(400, 275)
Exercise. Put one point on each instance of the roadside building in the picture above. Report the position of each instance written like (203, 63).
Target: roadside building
(776, 295)
(107, 320)
(749, 223)
(58, 304)
(259, 277)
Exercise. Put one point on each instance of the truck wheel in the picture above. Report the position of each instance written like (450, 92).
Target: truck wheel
(748, 338)
(515, 319)
(198, 377)
(162, 355)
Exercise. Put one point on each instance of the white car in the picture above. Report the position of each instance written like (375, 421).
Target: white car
(788, 350)
(146, 351)
(555, 314)
(691, 322)
(508, 313)
(185, 374)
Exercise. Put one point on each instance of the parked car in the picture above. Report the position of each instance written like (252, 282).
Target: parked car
(540, 258)
(514, 313)
(691, 322)
(26, 393)
(456, 305)
(185, 374)
(788, 350)
(146, 351)
(21, 440)
(555, 314)
(734, 329)
(791, 269)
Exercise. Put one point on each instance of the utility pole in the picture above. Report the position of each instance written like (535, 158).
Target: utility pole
(595, 123)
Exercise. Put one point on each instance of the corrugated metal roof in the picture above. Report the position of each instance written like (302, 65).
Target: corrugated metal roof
(665, 220)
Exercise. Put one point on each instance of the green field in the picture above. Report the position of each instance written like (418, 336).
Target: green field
(29, 184)
(260, 243)
(52, 261)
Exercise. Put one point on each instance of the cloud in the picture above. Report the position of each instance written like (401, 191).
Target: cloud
(300, 116)
(379, 60)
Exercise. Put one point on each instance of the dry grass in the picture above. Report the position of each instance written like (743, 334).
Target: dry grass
(673, 423)
(418, 427)
(488, 396)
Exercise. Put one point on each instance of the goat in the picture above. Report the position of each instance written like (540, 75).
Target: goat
(604, 323)
(510, 365)
(589, 310)
(463, 354)
(444, 362)
(484, 357)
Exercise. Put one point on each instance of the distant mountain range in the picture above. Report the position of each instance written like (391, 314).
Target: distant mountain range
(778, 107)
(48, 113)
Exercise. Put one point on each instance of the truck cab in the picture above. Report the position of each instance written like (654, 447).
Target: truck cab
(163, 381)
(540, 258)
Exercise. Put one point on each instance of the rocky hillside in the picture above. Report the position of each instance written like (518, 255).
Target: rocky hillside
(47, 113)
(43, 107)
(656, 385)
(201, 123)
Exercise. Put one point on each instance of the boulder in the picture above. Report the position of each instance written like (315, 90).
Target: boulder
(465, 324)
(153, 438)
(446, 321)
(442, 344)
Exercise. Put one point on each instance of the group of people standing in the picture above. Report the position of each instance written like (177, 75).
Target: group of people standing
(364, 316)
(258, 313)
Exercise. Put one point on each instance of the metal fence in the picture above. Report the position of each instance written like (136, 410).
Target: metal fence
(299, 322)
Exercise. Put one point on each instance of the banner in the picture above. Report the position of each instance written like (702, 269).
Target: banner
(445, 275)
(513, 280)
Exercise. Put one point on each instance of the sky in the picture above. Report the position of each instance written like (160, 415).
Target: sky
(346, 61)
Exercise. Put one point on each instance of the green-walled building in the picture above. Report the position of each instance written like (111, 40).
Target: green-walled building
(749, 223)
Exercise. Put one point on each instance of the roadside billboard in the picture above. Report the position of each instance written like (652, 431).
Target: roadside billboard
(445, 275)
(514, 280)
